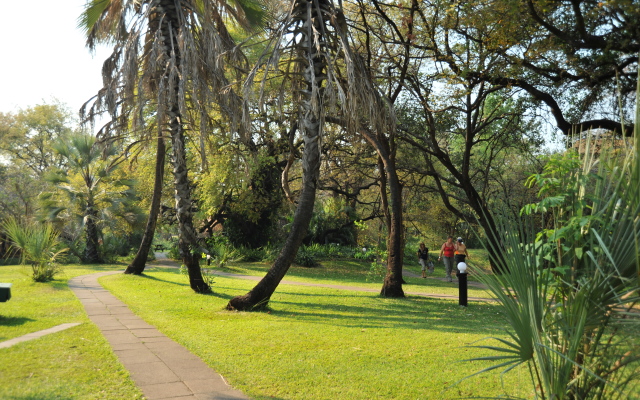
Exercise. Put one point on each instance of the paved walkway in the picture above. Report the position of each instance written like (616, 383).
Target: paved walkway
(160, 367)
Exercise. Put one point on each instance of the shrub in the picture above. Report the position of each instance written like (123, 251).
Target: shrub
(222, 254)
(305, 258)
(39, 247)
(250, 255)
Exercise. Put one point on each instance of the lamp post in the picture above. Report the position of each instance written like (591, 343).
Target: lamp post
(462, 284)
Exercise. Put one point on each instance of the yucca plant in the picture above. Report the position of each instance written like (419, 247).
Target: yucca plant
(571, 294)
(38, 246)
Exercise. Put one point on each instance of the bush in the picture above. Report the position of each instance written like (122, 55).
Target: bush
(9, 261)
(250, 255)
(305, 257)
(378, 267)
(39, 247)
(114, 247)
(222, 254)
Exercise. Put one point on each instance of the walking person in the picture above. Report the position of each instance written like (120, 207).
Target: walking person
(460, 252)
(446, 255)
(423, 259)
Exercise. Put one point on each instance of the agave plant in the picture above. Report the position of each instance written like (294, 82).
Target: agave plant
(38, 245)
(572, 291)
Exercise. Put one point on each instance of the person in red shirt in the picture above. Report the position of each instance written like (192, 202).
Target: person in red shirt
(446, 255)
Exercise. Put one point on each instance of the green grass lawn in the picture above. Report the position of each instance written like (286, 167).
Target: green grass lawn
(315, 343)
(73, 364)
(319, 343)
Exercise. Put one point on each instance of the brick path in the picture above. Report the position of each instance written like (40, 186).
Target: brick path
(160, 367)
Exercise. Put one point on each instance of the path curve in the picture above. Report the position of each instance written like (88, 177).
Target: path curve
(160, 367)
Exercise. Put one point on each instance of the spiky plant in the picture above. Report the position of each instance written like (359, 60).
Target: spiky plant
(38, 246)
(572, 291)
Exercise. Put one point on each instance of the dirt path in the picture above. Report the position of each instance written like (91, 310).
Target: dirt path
(163, 261)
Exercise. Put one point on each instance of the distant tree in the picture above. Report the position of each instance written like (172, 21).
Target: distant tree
(26, 136)
(26, 154)
(578, 59)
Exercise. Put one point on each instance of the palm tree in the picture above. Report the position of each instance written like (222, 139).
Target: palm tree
(572, 289)
(168, 57)
(316, 38)
(88, 185)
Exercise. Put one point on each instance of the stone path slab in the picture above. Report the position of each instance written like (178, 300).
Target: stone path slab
(35, 335)
(160, 367)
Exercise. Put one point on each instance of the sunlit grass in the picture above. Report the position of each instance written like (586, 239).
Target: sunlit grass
(73, 364)
(320, 343)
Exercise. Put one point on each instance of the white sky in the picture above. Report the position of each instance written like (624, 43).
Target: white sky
(44, 55)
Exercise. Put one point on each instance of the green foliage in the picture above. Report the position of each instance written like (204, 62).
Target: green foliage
(378, 267)
(250, 255)
(223, 253)
(115, 246)
(38, 245)
(332, 222)
(571, 286)
(91, 192)
(305, 257)
(251, 202)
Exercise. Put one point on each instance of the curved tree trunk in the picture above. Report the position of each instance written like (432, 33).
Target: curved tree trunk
(312, 109)
(137, 265)
(258, 297)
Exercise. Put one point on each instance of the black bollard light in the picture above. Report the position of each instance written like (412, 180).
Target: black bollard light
(462, 284)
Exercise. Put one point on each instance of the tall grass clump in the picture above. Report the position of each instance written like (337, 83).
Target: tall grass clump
(572, 287)
(39, 247)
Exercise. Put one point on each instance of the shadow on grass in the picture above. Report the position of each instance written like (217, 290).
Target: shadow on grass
(408, 313)
(213, 293)
(14, 321)
(153, 278)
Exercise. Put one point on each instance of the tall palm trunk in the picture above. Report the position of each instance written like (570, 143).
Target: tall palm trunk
(311, 121)
(187, 242)
(137, 265)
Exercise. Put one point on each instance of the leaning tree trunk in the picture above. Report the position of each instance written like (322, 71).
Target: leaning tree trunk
(187, 243)
(91, 251)
(137, 265)
(311, 110)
